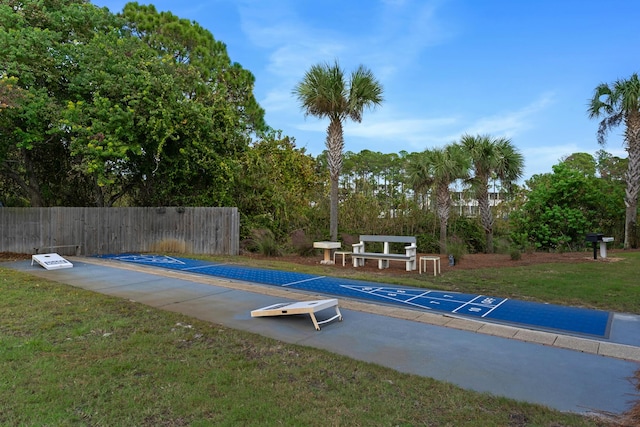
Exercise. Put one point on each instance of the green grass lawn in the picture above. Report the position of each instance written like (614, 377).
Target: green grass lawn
(72, 357)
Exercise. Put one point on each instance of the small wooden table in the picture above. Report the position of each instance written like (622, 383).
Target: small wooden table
(436, 264)
(343, 253)
(327, 246)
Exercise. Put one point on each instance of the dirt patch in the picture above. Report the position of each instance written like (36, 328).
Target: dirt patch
(11, 256)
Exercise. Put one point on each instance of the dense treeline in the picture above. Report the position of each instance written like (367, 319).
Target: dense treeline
(146, 109)
(143, 108)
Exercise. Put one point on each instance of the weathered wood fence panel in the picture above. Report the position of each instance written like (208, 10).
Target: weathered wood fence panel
(197, 230)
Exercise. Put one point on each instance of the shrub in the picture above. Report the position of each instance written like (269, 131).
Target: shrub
(264, 242)
(428, 243)
(470, 231)
(458, 248)
(302, 244)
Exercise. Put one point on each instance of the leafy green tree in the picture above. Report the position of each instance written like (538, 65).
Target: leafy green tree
(438, 169)
(611, 167)
(325, 92)
(619, 104)
(211, 77)
(117, 114)
(10, 93)
(561, 207)
(491, 157)
(583, 162)
(276, 186)
(144, 108)
(37, 37)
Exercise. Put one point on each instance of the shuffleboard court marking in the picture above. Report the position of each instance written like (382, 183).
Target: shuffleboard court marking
(303, 281)
(498, 305)
(487, 301)
(199, 267)
(547, 317)
(391, 296)
(151, 259)
(419, 295)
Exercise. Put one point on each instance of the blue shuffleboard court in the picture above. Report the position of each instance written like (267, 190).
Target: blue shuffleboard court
(547, 317)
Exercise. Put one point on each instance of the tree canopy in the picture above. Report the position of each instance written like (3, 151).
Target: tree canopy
(561, 207)
(98, 109)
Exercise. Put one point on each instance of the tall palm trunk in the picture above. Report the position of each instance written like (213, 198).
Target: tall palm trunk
(444, 206)
(486, 217)
(335, 146)
(632, 176)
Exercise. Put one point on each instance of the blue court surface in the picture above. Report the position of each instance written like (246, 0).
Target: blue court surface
(548, 317)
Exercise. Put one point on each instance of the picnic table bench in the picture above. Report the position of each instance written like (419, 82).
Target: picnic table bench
(359, 254)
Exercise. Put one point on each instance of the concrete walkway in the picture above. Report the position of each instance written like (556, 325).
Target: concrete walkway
(564, 373)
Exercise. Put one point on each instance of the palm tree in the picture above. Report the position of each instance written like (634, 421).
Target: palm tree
(324, 92)
(617, 104)
(437, 169)
(491, 157)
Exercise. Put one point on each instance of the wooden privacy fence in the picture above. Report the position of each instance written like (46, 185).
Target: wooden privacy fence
(97, 231)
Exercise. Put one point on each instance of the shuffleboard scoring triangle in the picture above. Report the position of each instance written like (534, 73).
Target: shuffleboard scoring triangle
(51, 261)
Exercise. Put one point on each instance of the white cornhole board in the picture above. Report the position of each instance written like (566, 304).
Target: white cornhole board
(51, 261)
(303, 307)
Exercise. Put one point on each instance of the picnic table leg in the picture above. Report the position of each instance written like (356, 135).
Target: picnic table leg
(384, 263)
(327, 256)
(357, 248)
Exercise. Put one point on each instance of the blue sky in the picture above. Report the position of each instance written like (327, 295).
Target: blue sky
(522, 69)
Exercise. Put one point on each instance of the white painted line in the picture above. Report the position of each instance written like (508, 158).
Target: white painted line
(419, 296)
(303, 281)
(498, 305)
(202, 266)
(467, 303)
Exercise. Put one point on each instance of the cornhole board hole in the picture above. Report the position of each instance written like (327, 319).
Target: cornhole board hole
(303, 307)
(51, 261)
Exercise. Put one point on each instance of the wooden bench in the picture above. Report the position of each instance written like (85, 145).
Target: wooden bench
(359, 254)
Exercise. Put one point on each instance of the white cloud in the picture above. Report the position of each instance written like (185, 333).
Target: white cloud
(407, 128)
(512, 123)
(540, 158)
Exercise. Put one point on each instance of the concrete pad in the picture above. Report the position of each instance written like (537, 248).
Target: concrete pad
(536, 336)
(433, 319)
(498, 330)
(619, 351)
(578, 344)
(396, 312)
(625, 329)
(463, 324)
